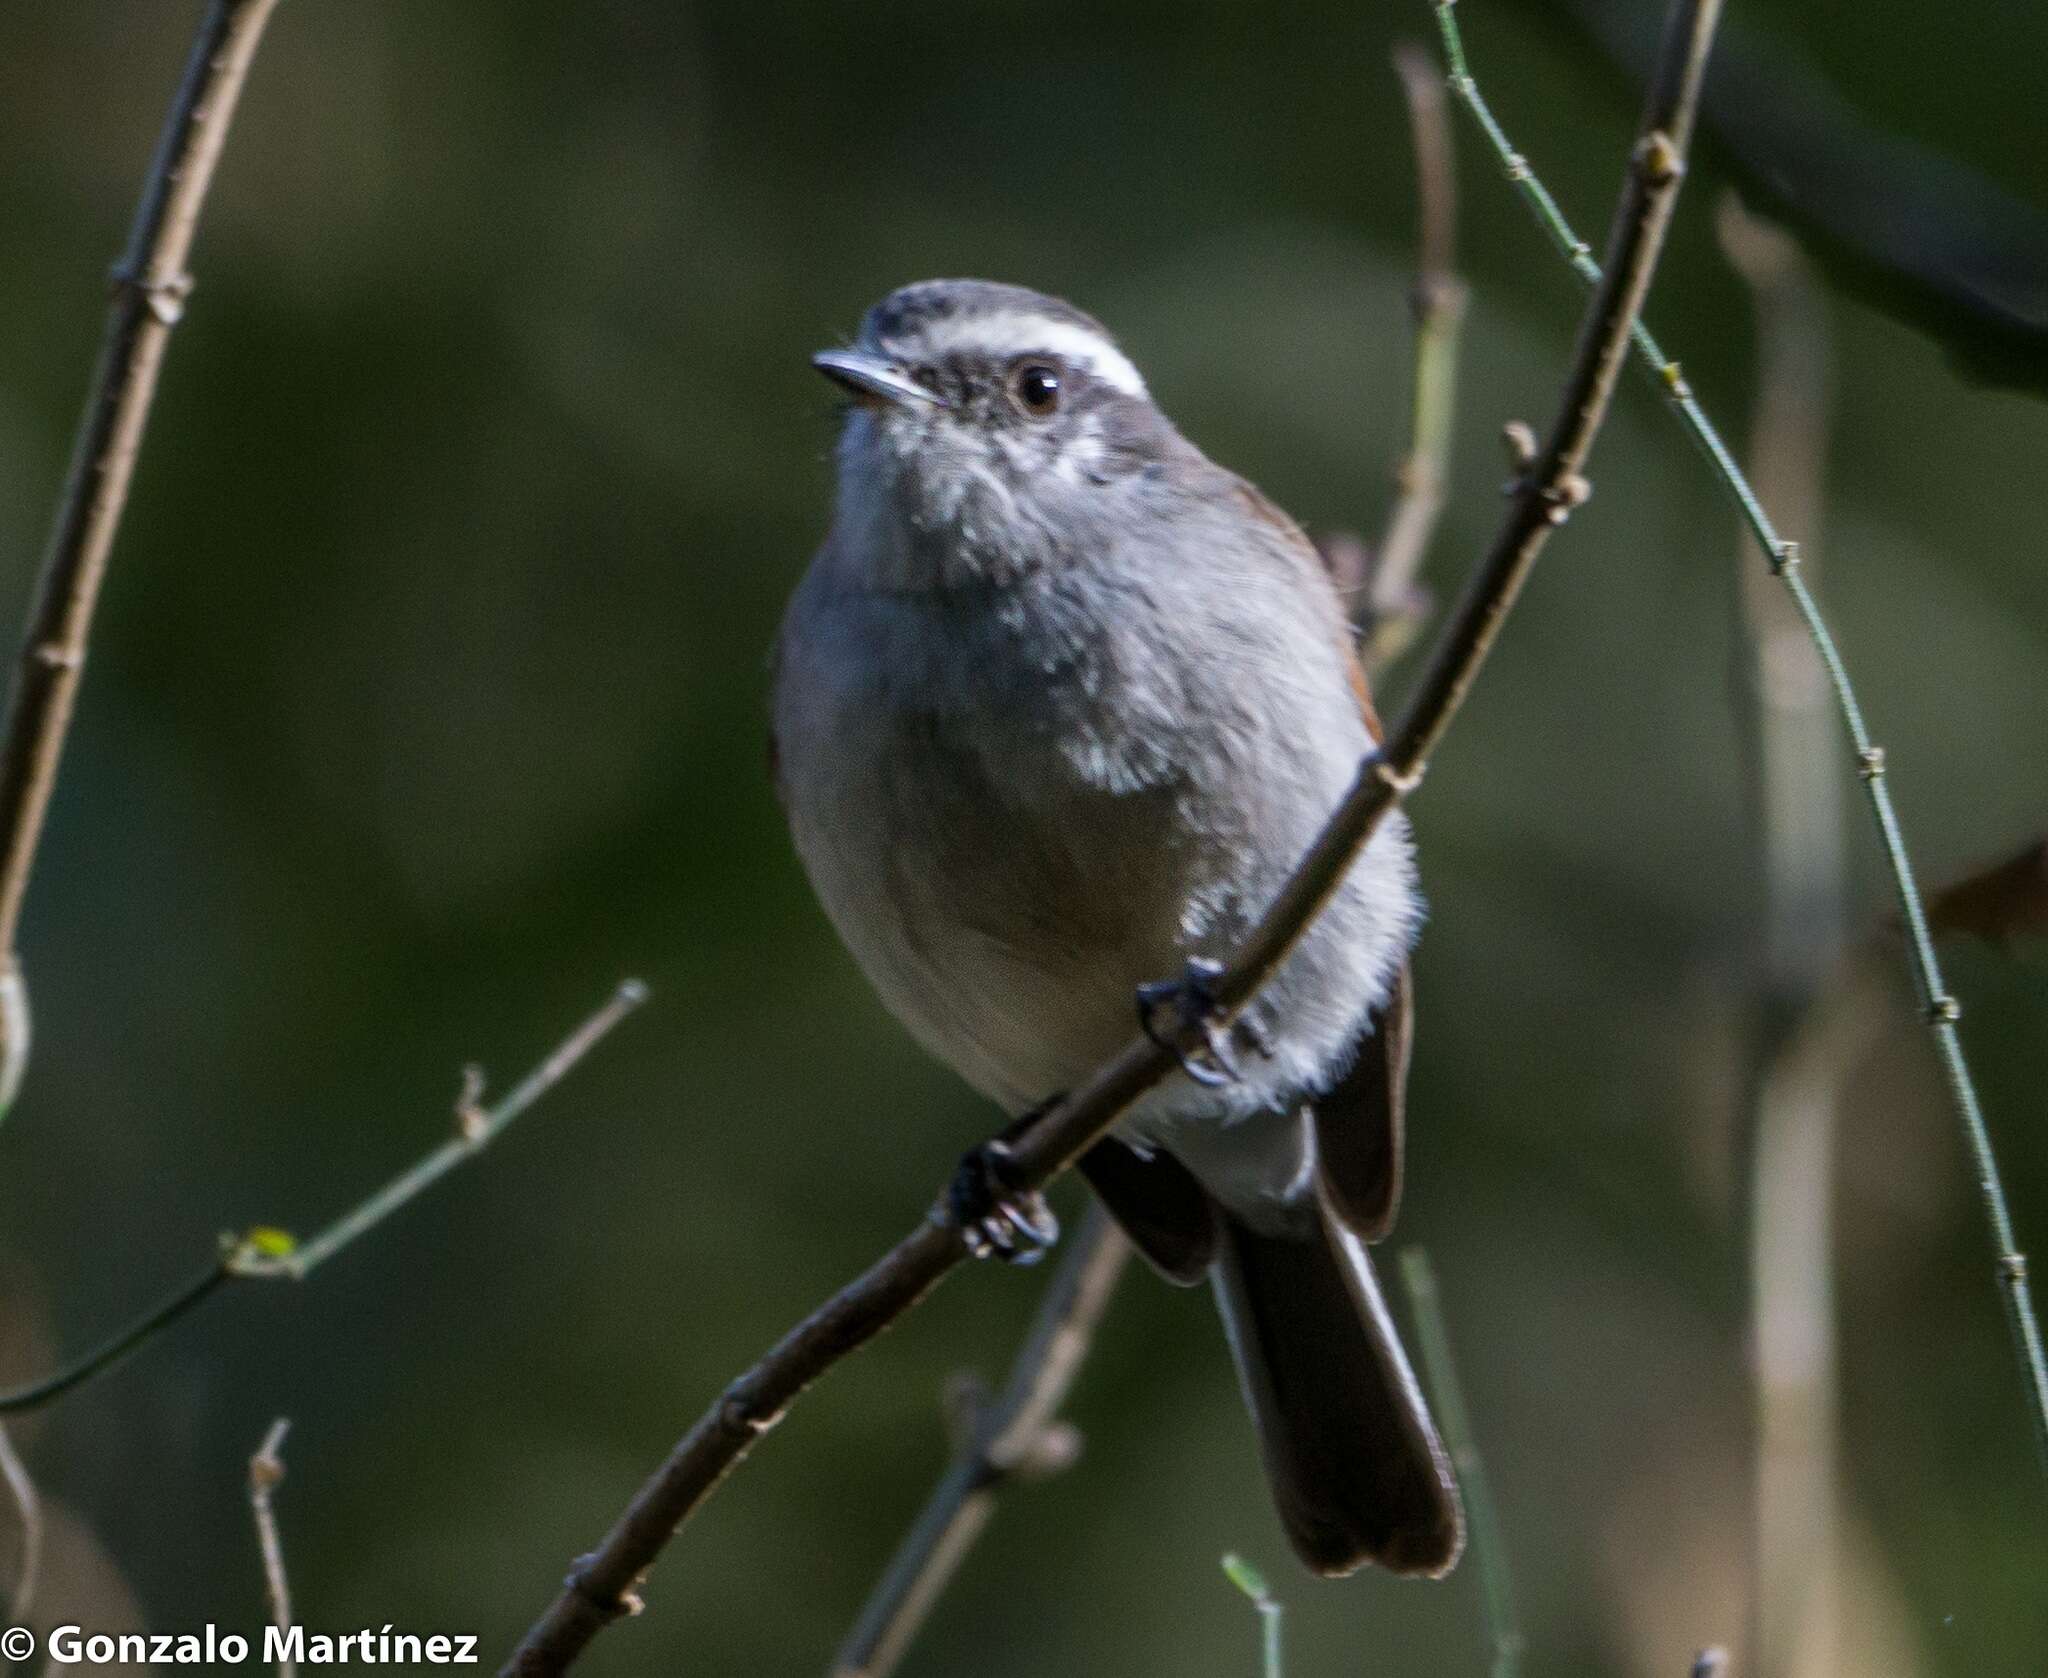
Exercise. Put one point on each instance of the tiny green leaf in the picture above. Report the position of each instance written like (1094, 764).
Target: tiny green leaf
(1246, 1578)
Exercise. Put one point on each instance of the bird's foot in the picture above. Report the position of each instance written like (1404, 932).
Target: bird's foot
(997, 1218)
(1193, 1000)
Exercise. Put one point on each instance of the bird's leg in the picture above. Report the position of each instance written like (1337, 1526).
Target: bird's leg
(1193, 999)
(998, 1219)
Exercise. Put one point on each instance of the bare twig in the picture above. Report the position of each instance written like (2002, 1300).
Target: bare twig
(1941, 1010)
(1394, 604)
(266, 1474)
(150, 288)
(1489, 1548)
(268, 1254)
(29, 1507)
(602, 1585)
(1016, 1435)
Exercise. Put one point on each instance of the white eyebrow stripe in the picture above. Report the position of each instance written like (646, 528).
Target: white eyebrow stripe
(1015, 333)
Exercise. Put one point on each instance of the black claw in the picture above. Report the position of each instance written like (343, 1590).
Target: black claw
(1193, 998)
(997, 1219)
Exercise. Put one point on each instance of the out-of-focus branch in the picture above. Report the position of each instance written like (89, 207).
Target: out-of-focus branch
(29, 1507)
(150, 287)
(1394, 604)
(1941, 1010)
(266, 1254)
(1489, 1547)
(1797, 1060)
(1016, 1436)
(266, 1474)
(603, 1585)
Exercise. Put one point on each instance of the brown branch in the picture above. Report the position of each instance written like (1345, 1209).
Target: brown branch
(1015, 1437)
(266, 1474)
(602, 1586)
(150, 288)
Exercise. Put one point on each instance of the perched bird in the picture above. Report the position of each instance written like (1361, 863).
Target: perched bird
(1058, 706)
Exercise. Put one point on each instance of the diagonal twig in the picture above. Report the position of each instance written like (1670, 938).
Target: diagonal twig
(266, 1474)
(602, 1586)
(1014, 1436)
(1941, 1010)
(150, 288)
(265, 1254)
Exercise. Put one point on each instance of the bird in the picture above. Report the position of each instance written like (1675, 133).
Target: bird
(1056, 708)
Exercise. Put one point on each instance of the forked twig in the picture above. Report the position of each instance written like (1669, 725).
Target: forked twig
(266, 1254)
(1941, 1010)
(602, 1586)
(1017, 1435)
(150, 287)
(266, 1474)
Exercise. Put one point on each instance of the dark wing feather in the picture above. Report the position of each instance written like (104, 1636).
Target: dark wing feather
(1360, 1122)
(1158, 1204)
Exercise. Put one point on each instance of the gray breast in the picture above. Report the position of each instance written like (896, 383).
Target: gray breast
(1017, 803)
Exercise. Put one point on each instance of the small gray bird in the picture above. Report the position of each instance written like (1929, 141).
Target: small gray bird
(1058, 705)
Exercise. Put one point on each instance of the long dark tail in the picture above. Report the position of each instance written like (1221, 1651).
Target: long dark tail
(1356, 1466)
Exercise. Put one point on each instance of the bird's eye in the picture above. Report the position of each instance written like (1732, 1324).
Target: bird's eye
(1035, 387)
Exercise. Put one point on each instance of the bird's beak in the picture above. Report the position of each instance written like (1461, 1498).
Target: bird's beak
(871, 379)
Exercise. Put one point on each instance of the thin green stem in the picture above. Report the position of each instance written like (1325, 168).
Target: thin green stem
(1248, 1579)
(265, 1254)
(476, 1128)
(111, 1351)
(1489, 1549)
(1940, 1008)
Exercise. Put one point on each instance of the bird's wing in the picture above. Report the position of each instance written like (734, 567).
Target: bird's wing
(1158, 1204)
(1361, 1122)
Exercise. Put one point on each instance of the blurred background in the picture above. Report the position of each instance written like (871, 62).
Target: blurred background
(427, 701)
